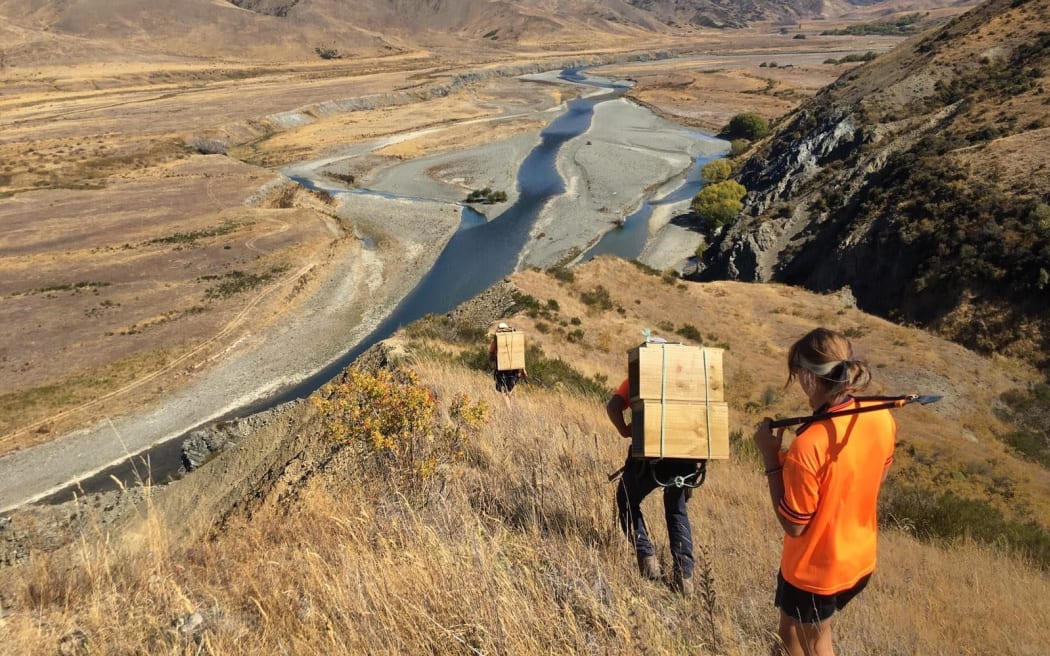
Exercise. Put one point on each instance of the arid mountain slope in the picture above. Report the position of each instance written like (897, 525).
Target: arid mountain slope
(276, 29)
(920, 181)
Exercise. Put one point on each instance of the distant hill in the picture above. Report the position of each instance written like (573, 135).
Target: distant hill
(919, 180)
(39, 31)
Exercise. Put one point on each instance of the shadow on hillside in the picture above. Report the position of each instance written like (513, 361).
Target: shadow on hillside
(691, 221)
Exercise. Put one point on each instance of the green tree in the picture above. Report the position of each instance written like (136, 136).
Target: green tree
(720, 202)
(748, 126)
(716, 171)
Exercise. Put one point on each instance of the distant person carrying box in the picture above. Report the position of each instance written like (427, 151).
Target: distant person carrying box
(507, 354)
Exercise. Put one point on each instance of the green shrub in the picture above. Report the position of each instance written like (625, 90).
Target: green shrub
(191, 238)
(563, 274)
(1029, 411)
(738, 147)
(645, 268)
(392, 423)
(486, 196)
(531, 306)
(689, 331)
(716, 170)
(598, 298)
(237, 282)
(937, 515)
(446, 329)
(720, 202)
(747, 125)
(769, 396)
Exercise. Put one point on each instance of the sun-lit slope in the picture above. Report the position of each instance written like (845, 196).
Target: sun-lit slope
(140, 29)
(954, 444)
(513, 548)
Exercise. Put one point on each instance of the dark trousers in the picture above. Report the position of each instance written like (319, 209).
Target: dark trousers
(637, 482)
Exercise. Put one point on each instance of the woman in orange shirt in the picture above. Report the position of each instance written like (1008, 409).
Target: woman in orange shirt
(824, 491)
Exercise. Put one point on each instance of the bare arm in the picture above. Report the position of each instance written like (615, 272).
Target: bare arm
(769, 446)
(614, 408)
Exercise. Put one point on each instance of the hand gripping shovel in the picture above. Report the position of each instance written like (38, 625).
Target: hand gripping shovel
(888, 402)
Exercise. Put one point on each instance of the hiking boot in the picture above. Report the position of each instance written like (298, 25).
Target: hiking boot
(684, 584)
(649, 566)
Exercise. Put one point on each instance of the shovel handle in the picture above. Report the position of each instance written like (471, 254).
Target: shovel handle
(891, 402)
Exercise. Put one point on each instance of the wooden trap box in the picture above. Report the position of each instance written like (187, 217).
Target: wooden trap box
(677, 399)
(675, 372)
(510, 350)
(680, 429)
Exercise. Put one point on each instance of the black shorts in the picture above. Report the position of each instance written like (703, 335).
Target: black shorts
(505, 380)
(809, 607)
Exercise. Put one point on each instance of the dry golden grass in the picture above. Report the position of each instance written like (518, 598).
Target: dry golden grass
(758, 322)
(518, 555)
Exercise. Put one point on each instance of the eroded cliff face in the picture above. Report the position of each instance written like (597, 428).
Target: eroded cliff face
(801, 223)
(913, 181)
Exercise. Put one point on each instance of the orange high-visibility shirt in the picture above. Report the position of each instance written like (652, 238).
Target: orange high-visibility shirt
(832, 475)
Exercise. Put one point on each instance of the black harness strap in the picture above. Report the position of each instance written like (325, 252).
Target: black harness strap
(691, 481)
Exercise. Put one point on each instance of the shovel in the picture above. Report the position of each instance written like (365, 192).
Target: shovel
(888, 402)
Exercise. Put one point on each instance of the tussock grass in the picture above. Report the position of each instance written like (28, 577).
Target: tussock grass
(517, 553)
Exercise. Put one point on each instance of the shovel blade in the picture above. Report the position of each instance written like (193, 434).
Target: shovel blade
(924, 400)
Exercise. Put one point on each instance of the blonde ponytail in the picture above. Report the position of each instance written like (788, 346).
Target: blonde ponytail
(828, 355)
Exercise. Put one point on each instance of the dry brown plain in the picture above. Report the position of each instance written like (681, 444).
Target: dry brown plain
(131, 261)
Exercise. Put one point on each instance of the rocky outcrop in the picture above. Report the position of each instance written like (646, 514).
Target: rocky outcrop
(496, 302)
(204, 443)
(783, 184)
(881, 184)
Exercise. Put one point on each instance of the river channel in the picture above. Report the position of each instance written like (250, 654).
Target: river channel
(479, 254)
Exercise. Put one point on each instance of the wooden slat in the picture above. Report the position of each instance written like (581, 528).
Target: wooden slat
(675, 372)
(510, 350)
(685, 429)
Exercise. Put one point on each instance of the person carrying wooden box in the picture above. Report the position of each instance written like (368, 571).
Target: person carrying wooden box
(507, 355)
(644, 471)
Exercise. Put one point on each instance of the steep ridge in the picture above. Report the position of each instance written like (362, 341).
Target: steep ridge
(918, 180)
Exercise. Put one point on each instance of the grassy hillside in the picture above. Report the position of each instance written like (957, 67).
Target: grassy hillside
(487, 527)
